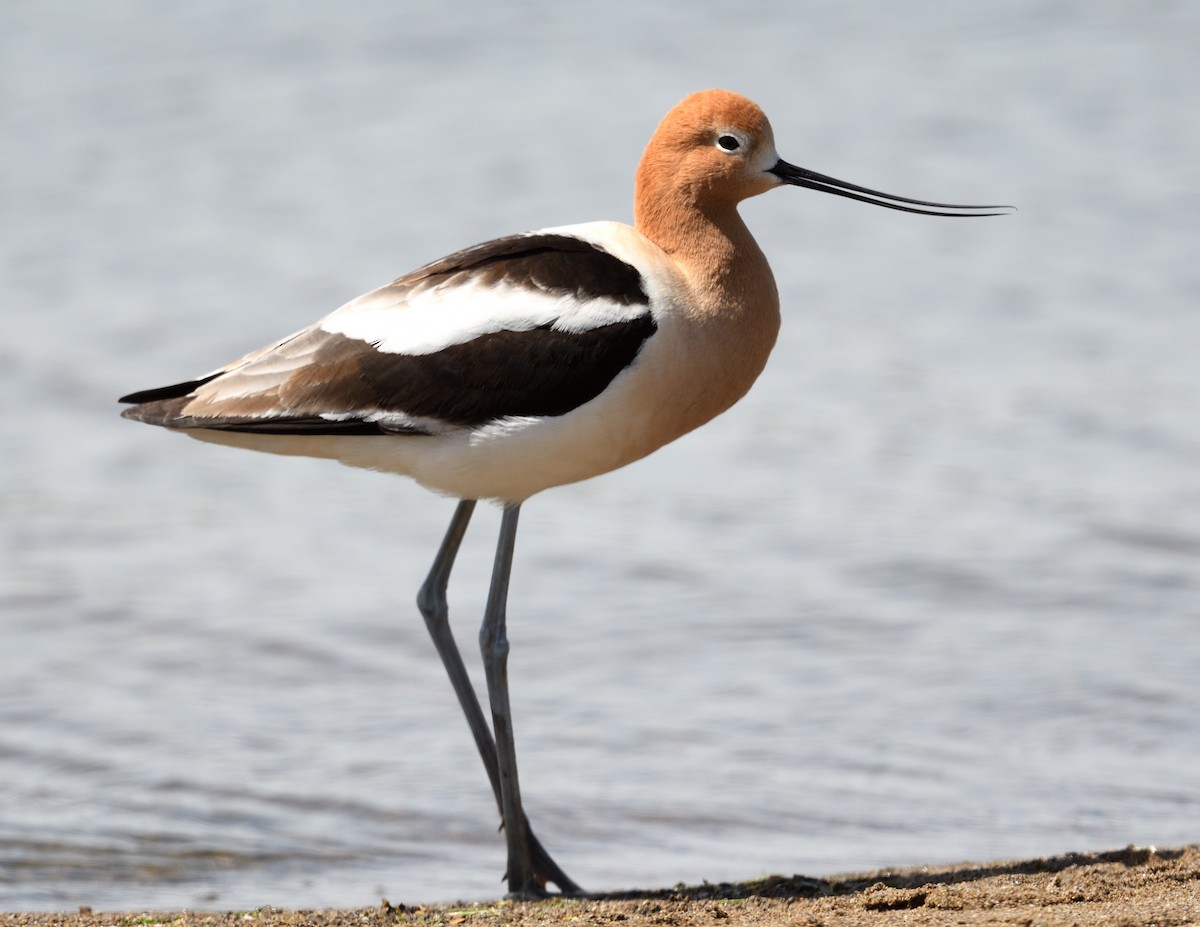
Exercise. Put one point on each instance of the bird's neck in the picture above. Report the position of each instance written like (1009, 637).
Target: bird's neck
(732, 306)
(711, 246)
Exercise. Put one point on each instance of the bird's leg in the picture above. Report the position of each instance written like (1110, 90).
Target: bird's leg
(493, 643)
(435, 608)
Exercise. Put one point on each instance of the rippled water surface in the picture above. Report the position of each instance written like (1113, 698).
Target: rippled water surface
(931, 592)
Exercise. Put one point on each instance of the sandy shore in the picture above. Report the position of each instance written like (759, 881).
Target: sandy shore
(1135, 887)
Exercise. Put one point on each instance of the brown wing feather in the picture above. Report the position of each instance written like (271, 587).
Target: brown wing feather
(322, 382)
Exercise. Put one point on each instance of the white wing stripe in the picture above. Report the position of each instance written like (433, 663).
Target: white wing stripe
(400, 320)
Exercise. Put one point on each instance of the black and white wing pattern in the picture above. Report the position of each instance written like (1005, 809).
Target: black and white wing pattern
(528, 325)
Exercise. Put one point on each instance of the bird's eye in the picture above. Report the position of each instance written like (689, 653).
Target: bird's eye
(728, 142)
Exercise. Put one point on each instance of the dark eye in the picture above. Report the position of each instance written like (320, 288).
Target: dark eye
(729, 142)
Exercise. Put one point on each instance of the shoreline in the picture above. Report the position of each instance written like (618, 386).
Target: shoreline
(1133, 887)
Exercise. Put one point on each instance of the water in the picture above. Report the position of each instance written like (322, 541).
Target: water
(930, 593)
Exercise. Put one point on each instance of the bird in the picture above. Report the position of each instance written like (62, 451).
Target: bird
(533, 361)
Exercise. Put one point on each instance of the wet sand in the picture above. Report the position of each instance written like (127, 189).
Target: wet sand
(1134, 887)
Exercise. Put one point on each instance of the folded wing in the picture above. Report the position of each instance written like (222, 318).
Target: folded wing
(531, 325)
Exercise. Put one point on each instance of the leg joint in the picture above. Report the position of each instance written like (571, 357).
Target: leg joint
(433, 605)
(493, 644)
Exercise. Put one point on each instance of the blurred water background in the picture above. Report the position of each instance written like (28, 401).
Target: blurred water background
(929, 593)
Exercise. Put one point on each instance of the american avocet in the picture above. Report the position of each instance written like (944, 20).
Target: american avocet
(529, 362)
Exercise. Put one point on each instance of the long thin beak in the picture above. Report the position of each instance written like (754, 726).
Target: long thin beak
(802, 177)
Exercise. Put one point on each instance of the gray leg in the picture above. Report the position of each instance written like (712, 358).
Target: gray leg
(493, 643)
(434, 606)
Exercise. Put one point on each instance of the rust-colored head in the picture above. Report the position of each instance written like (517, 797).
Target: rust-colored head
(714, 149)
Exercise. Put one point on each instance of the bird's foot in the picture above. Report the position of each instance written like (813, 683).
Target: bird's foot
(544, 873)
(535, 870)
(532, 892)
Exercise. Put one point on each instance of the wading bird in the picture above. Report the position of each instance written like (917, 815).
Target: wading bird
(529, 362)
